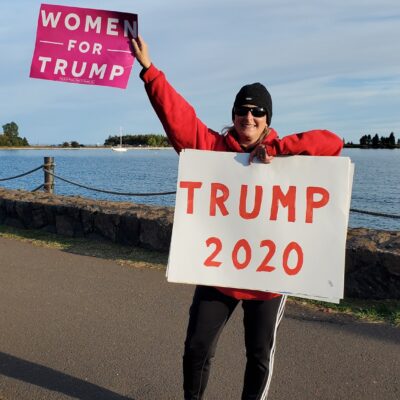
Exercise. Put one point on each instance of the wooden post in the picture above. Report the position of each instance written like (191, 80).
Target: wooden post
(48, 178)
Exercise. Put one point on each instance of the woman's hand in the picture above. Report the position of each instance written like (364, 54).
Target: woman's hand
(141, 52)
(261, 153)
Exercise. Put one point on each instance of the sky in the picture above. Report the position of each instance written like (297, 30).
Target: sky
(327, 64)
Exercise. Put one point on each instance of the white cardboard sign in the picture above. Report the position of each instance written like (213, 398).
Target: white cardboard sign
(278, 227)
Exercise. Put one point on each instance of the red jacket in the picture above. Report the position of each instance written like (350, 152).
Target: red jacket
(186, 131)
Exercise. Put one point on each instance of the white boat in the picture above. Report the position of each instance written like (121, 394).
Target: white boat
(119, 148)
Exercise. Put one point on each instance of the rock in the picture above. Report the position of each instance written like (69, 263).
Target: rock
(156, 233)
(24, 212)
(64, 225)
(87, 219)
(372, 256)
(38, 216)
(129, 230)
(372, 264)
(106, 224)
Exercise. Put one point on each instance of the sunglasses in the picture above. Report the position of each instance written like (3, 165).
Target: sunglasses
(257, 112)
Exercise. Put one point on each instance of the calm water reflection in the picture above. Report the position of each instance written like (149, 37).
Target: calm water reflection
(376, 182)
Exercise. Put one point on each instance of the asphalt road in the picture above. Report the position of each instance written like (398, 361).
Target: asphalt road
(77, 327)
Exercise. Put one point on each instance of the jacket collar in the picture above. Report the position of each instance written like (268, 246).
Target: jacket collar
(234, 145)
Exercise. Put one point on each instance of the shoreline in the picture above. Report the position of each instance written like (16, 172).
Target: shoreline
(153, 148)
(362, 147)
(83, 148)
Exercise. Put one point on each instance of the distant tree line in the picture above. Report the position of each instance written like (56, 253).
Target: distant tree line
(10, 136)
(73, 144)
(376, 142)
(149, 140)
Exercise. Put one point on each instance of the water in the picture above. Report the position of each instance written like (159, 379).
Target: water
(376, 182)
(135, 171)
(376, 187)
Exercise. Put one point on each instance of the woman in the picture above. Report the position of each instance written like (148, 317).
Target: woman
(212, 307)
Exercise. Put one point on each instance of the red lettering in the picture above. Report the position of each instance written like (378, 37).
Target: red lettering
(190, 186)
(287, 200)
(264, 267)
(210, 262)
(218, 200)
(243, 200)
(293, 246)
(311, 203)
(244, 244)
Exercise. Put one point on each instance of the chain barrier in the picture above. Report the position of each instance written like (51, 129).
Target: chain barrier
(371, 213)
(375, 214)
(38, 188)
(108, 191)
(21, 175)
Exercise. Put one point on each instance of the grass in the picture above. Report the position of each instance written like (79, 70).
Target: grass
(123, 255)
(380, 311)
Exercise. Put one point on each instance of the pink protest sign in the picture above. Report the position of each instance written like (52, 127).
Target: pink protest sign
(85, 46)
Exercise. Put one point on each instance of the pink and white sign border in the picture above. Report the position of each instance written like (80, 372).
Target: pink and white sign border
(84, 46)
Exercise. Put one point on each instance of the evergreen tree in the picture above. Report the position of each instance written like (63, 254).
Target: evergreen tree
(375, 140)
(392, 140)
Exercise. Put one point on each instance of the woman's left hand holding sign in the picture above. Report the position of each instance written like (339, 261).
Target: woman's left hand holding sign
(261, 153)
(141, 52)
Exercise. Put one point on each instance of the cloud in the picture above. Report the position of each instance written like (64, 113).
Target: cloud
(327, 64)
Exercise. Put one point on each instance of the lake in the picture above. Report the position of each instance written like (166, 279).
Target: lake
(376, 184)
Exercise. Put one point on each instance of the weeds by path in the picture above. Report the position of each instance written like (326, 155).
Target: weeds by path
(387, 311)
(367, 310)
(123, 255)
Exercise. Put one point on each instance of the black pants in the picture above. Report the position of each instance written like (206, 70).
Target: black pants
(209, 313)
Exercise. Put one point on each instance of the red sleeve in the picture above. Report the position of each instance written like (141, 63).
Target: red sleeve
(312, 143)
(183, 128)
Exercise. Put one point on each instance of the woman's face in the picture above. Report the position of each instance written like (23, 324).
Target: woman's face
(248, 127)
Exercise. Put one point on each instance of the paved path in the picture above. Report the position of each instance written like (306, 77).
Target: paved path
(76, 327)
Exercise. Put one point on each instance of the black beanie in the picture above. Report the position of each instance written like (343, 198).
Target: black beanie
(256, 94)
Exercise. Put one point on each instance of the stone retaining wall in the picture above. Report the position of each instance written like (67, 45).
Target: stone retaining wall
(372, 256)
(126, 223)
